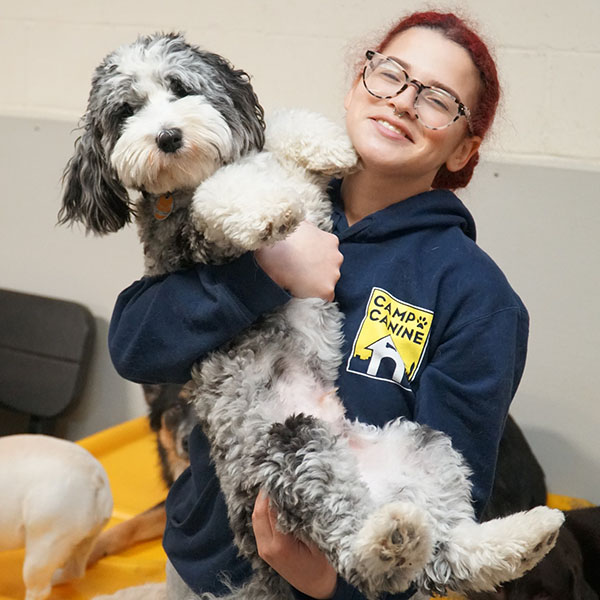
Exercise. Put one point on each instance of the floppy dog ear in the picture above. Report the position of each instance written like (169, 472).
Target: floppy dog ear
(249, 108)
(153, 395)
(247, 117)
(92, 193)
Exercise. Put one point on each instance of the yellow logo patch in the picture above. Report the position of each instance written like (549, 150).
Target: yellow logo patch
(391, 341)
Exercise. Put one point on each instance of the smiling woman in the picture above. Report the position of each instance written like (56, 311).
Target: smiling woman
(409, 132)
(404, 237)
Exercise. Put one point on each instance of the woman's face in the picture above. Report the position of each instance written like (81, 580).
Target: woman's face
(401, 145)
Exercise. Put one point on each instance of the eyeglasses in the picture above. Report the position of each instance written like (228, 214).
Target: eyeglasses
(385, 78)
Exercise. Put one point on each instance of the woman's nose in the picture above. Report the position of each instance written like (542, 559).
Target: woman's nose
(404, 102)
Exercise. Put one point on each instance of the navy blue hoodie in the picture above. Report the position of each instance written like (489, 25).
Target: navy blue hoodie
(433, 332)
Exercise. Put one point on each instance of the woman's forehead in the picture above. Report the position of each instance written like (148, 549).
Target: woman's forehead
(435, 60)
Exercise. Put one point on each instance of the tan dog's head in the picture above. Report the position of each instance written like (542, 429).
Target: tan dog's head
(172, 417)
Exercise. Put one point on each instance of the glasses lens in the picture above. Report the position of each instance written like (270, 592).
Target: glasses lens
(436, 108)
(383, 77)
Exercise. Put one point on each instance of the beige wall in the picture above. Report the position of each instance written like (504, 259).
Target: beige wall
(549, 56)
(539, 223)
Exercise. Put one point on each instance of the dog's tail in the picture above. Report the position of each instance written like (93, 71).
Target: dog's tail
(148, 591)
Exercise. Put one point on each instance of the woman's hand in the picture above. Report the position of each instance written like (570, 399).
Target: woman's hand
(306, 263)
(302, 566)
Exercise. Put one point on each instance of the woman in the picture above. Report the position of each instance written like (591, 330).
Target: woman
(433, 330)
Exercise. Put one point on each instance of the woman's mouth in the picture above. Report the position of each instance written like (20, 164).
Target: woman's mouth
(396, 131)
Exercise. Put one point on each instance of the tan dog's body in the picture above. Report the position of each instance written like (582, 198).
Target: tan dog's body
(55, 500)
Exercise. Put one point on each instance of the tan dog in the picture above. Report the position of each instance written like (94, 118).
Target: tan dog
(56, 498)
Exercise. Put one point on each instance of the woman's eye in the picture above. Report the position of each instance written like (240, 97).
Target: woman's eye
(391, 76)
(437, 103)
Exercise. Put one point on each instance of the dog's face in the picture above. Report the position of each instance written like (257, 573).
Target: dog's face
(172, 417)
(162, 116)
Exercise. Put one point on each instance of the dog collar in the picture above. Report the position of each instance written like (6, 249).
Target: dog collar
(163, 207)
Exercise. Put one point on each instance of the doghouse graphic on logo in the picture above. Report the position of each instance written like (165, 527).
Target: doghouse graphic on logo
(391, 341)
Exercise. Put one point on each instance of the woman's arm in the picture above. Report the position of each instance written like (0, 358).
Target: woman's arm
(467, 387)
(162, 325)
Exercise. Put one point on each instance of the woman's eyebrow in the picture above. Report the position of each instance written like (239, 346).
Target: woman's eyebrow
(433, 83)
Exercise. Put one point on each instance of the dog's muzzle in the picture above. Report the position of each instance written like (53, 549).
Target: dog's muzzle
(170, 140)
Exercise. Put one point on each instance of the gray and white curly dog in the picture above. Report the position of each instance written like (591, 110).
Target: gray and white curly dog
(174, 135)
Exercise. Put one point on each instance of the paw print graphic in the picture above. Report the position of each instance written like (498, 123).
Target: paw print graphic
(421, 322)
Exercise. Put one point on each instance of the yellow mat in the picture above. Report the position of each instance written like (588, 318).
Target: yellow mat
(128, 453)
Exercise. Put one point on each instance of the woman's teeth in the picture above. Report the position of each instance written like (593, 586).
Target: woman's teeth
(390, 127)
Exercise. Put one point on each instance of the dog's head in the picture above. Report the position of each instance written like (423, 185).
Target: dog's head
(172, 417)
(162, 116)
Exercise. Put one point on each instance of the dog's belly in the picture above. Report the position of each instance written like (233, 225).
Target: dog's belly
(388, 461)
(299, 392)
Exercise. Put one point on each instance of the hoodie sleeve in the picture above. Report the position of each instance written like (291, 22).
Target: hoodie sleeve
(162, 325)
(466, 389)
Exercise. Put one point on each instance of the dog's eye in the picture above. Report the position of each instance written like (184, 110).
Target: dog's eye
(124, 111)
(179, 89)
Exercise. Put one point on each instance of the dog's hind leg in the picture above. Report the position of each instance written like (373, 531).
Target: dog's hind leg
(74, 568)
(479, 557)
(312, 480)
(393, 546)
(43, 557)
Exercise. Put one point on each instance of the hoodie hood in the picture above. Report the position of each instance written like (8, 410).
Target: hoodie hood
(433, 209)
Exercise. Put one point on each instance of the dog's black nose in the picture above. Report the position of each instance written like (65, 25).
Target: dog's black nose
(170, 140)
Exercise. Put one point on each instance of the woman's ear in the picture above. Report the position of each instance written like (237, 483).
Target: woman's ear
(462, 153)
(350, 92)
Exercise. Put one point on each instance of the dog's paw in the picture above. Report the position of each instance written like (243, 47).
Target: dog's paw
(540, 527)
(253, 230)
(311, 141)
(392, 547)
(248, 204)
(40, 593)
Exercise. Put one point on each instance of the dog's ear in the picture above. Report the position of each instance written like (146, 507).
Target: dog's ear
(92, 194)
(151, 392)
(156, 400)
(249, 108)
(247, 119)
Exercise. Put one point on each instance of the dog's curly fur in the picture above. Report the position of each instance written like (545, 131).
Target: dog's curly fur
(165, 117)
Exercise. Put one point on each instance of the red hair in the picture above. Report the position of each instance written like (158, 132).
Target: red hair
(482, 114)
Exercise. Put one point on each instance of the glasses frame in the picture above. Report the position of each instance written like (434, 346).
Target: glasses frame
(463, 111)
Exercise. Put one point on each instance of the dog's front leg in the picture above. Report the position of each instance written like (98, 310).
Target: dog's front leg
(311, 141)
(249, 204)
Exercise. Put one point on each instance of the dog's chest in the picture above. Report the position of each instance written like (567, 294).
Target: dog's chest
(162, 225)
